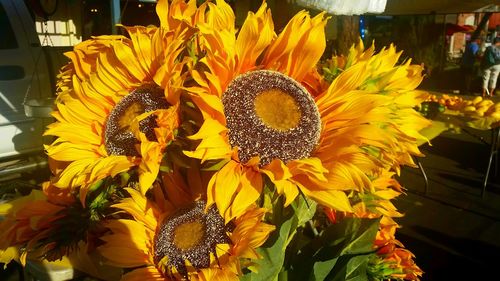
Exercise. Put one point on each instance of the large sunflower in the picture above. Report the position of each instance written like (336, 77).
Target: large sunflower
(267, 111)
(117, 104)
(172, 237)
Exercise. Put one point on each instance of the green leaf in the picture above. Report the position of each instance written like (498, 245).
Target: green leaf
(273, 251)
(363, 233)
(356, 268)
(287, 220)
(340, 252)
(304, 209)
(347, 268)
(321, 269)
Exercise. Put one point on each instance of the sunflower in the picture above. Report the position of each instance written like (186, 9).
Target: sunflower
(28, 220)
(392, 260)
(374, 200)
(398, 82)
(270, 116)
(118, 101)
(172, 237)
(50, 226)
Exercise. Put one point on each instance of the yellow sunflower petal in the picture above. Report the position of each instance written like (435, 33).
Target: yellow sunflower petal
(162, 10)
(249, 191)
(331, 198)
(289, 189)
(211, 106)
(213, 143)
(255, 35)
(222, 187)
(348, 177)
(121, 234)
(67, 132)
(8, 255)
(123, 256)
(139, 208)
(250, 233)
(220, 16)
(89, 170)
(127, 56)
(141, 38)
(298, 47)
(150, 163)
(124, 249)
(12, 207)
(71, 152)
(217, 274)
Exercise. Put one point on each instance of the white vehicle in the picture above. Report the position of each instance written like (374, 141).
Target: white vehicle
(27, 77)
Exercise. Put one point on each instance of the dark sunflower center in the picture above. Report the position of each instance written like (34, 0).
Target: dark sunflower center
(118, 138)
(272, 116)
(190, 234)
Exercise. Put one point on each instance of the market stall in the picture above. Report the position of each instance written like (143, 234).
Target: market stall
(460, 114)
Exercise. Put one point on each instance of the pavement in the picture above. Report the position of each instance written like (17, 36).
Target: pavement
(453, 231)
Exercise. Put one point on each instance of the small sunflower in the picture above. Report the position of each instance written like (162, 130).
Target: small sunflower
(374, 198)
(50, 226)
(29, 221)
(169, 240)
(392, 260)
(399, 83)
(118, 101)
(267, 111)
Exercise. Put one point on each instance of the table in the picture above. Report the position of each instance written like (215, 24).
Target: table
(449, 119)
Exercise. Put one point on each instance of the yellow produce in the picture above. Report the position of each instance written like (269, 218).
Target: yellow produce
(470, 108)
(477, 100)
(479, 113)
(485, 103)
(475, 108)
(490, 110)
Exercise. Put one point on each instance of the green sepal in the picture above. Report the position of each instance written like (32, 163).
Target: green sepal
(124, 178)
(214, 165)
(96, 185)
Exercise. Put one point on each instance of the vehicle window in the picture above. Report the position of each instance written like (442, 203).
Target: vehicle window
(7, 37)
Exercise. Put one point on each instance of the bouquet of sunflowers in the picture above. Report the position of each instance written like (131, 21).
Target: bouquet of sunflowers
(199, 151)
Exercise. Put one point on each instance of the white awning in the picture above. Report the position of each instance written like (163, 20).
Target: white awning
(415, 7)
(400, 7)
(345, 7)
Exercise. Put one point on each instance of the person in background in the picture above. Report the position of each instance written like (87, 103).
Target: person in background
(467, 66)
(490, 65)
